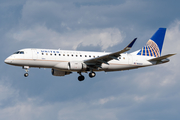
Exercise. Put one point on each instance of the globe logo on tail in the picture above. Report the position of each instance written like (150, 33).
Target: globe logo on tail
(150, 49)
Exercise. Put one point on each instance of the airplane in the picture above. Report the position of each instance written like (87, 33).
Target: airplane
(64, 62)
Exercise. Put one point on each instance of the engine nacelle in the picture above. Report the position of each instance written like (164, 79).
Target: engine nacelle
(59, 73)
(77, 66)
(74, 66)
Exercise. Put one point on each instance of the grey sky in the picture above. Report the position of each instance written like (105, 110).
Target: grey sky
(150, 93)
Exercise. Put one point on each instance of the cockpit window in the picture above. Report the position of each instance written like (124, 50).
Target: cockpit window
(19, 52)
(16, 52)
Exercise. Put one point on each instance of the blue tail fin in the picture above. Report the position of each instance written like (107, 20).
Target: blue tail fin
(154, 46)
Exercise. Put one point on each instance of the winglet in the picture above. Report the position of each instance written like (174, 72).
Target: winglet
(130, 44)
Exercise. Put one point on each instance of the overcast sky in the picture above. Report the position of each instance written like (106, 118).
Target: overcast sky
(151, 93)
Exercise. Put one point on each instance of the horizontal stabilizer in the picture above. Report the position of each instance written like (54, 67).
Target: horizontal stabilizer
(161, 58)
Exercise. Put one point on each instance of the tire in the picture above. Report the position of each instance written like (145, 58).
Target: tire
(81, 78)
(26, 74)
(92, 74)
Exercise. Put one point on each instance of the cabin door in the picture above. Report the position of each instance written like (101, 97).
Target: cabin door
(34, 54)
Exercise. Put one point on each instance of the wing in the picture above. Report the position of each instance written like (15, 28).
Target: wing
(106, 58)
(161, 58)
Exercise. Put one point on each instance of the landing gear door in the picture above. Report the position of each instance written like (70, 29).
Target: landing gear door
(34, 54)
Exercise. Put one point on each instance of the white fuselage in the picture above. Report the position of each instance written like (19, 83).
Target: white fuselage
(64, 62)
(49, 58)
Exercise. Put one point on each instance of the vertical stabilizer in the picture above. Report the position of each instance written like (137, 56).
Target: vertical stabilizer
(154, 45)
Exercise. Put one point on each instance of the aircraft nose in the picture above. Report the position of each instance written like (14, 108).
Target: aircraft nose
(8, 61)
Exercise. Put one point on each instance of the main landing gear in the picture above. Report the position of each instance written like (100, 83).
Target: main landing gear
(81, 77)
(92, 74)
(26, 69)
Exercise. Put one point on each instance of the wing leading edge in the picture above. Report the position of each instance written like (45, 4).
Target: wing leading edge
(106, 58)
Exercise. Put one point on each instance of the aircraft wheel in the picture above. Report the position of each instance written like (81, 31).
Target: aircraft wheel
(92, 74)
(26, 74)
(81, 78)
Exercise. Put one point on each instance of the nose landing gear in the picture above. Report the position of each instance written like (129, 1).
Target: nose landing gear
(26, 74)
(26, 69)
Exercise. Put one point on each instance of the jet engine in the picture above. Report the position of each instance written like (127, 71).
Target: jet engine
(77, 66)
(59, 73)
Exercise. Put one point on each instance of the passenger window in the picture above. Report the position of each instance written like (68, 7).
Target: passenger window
(59, 54)
(51, 54)
(85, 55)
(94, 56)
(63, 54)
(80, 55)
(42, 53)
(72, 55)
(46, 53)
(76, 55)
(55, 54)
(67, 54)
(89, 55)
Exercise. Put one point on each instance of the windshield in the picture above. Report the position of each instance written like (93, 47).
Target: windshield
(19, 52)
